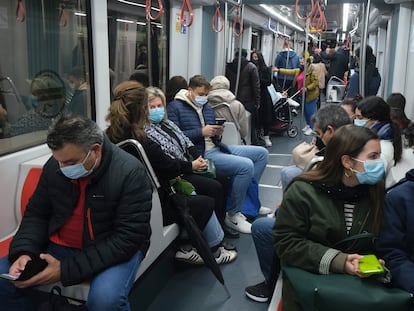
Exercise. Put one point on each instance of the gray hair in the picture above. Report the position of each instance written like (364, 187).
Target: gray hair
(333, 115)
(76, 130)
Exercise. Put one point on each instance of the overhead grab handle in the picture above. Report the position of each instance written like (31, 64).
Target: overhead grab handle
(238, 24)
(20, 11)
(217, 18)
(186, 3)
(148, 10)
(63, 16)
(310, 13)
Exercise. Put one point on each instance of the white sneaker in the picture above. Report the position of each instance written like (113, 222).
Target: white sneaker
(305, 128)
(268, 142)
(238, 222)
(308, 132)
(226, 256)
(189, 256)
(264, 210)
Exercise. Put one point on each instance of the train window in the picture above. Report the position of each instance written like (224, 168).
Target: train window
(43, 68)
(131, 51)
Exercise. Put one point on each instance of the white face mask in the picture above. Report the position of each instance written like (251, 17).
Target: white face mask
(200, 100)
(77, 171)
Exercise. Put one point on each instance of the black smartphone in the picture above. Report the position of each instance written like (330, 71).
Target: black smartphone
(220, 121)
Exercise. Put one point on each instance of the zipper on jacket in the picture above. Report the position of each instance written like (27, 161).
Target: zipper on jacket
(90, 229)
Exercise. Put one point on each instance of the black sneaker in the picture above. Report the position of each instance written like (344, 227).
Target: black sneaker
(259, 292)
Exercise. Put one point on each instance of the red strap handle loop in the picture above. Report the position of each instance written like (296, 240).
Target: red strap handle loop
(217, 16)
(20, 11)
(63, 16)
(148, 10)
(238, 22)
(190, 11)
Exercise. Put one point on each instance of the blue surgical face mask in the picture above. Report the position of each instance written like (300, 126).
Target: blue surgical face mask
(77, 171)
(374, 172)
(358, 122)
(156, 115)
(201, 100)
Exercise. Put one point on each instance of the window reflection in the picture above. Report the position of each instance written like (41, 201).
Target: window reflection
(40, 59)
(131, 54)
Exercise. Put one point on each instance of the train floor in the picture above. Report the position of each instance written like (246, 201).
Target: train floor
(195, 288)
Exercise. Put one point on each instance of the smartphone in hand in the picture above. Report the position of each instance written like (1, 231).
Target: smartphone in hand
(220, 121)
(9, 277)
(369, 264)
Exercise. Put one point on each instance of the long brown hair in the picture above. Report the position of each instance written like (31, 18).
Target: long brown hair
(128, 113)
(347, 140)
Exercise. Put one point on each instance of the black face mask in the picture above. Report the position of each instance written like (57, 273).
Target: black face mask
(256, 62)
(319, 143)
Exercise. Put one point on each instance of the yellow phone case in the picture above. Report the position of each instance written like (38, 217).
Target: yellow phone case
(369, 264)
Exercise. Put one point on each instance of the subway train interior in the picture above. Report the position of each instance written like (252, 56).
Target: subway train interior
(113, 39)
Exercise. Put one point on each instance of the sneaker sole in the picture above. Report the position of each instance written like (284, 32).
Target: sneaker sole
(189, 261)
(258, 299)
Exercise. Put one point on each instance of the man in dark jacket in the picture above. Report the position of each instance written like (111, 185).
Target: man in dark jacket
(338, 61)
(248, 90)
(288, 59)
(88, 219)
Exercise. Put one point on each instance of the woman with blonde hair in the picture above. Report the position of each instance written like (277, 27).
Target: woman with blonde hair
(139, 113)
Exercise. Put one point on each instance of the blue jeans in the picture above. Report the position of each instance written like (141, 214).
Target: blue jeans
(263, 241)
(288, 173)
(244, 163)
(213, 233)
(108, 290)
(310, 109)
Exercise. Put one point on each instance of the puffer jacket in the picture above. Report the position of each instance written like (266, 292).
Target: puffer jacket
(249, 83)
(117, 213)
(183, 114)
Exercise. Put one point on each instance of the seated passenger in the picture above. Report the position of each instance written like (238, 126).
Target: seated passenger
(191, 113)
(326, 121)
(396, 240)
(174, 85)
(49, 93)
(396, 101)
(341, 197)
(82, 220)
(397, 172)
(349, 104)
(167, 149)
(79, 84)
(374, 113)
(220, 93)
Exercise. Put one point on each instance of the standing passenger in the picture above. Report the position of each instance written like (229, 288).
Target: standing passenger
(88, 219)
(248, 91)
(195, 117)
(287, 59)
(266, 105)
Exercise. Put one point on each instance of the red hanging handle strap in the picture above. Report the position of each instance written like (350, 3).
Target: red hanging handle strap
(148, 10)
(217, 16)
(20, 11)
(63, 16)
(238, 22)
(186, 3)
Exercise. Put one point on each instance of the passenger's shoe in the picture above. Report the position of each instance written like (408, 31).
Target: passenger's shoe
(225, 256)
(230, 233)
(268, 142)
(294, 112)
(308, 132)
(305, 128)
(259, 292)
(189, 256)
(264, 211)
(228, 246)
(238, 222)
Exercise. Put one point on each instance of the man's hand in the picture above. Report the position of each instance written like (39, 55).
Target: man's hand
(352, 264)
(212, 130)
(50, 274)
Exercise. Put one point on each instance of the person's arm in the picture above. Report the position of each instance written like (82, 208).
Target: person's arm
(289, 72)
(397, 236)
(293, 243)
(256, 85)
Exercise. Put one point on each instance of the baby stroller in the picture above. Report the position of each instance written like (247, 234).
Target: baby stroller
(282, 116)
(335, 90)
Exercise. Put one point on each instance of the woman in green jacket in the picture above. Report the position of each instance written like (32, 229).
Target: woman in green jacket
(341, 197)
(311, 88)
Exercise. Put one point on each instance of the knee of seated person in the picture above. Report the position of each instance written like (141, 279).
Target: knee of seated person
(107, 298)
(262, 226)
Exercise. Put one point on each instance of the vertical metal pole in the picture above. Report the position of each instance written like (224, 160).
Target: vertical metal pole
(240, 51)
(304, 75)
(363, 49)
(149, 52)
(226, 30)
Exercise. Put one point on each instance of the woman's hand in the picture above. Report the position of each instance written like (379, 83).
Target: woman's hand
(199, 164)
(275, 69)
